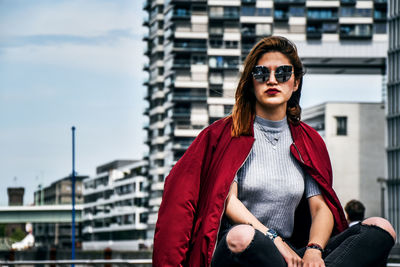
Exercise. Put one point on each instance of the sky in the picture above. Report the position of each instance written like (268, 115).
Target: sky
(79, 63)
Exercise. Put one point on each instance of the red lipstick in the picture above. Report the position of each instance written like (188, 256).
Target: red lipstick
(272, 91)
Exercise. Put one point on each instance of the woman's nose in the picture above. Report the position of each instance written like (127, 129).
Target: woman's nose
(272, 79)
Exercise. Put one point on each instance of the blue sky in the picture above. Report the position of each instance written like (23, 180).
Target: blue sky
(65, 63)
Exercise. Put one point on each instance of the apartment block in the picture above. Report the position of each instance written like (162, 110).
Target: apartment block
(196, 49)
(393, 115)
(115, 207)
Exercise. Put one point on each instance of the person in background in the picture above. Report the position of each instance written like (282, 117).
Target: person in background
(355, 211)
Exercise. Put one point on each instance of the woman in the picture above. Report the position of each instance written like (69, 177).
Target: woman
(260, 183)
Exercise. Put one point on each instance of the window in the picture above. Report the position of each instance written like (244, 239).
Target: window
(263, 29)
(296, 11)
(227, 109)
(248, 11)
(341, 125)
(264, 12)
(329, 27)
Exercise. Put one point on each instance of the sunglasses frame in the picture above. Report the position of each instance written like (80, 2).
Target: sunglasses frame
(281, 77)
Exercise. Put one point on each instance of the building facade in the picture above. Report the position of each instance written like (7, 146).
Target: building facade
(393, 115)
(115, 207)
(58, 193)
(354, 134)
(196, 48)
(15, 196)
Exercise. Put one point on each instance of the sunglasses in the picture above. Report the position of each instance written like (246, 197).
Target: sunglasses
(282, 73)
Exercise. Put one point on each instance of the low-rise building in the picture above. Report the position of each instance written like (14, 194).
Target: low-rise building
(116, 206)
(58, 193)
(354, 134)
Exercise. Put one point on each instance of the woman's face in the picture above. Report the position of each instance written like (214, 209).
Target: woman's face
(272, 95)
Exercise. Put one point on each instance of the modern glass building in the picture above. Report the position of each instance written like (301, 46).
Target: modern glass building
(195, 50)
(393, 114)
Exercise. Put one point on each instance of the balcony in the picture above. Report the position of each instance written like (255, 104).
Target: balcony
(248, 32)
(181, 112)
(360, 31)
(146, 111)
(220, 62)
(189, 47)
(348, 2)
(145, 37)
(145, 125)
(181, 146)
(380, 3)
(314, 35)
(146, 5)
(281, 15)
(145, 22)
(181, 63)
(224, 16)
(291, 2)
(187, 96)
(216, 31)
(216, 91)
(247, 47)
(380, 15)
(146, 51)
(314, 32)
(181, 14)
(322, 15)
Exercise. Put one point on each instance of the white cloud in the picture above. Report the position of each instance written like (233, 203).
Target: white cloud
(124, 57)
(88, 35)
(73, 17)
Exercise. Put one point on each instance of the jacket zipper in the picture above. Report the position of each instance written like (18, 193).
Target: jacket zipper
(220, 219)
(298, 152)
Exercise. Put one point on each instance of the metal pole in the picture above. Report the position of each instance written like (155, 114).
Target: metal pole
(73, 195)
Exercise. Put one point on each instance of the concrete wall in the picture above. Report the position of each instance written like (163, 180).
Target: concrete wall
(372, 155)
(344, 150)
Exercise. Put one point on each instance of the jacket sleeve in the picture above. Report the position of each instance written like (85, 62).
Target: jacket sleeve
(178, 207)
(322, 172)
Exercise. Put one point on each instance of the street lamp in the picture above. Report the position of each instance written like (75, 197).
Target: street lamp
(73, 195)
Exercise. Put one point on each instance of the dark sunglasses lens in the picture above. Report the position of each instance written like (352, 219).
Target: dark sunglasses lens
(283, 73)
(261, 74)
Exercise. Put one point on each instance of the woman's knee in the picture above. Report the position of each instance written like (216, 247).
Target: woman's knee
(382, 223)
(240, 237)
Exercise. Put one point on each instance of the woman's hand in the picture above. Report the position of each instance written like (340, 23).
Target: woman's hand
(291, 257)
(313, 258)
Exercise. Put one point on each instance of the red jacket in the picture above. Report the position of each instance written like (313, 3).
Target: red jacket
(197, 187)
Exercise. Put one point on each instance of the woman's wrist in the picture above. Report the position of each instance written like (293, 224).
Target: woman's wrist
(272, 234)
(314, 246)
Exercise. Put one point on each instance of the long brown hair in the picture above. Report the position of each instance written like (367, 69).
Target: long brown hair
(244, 109)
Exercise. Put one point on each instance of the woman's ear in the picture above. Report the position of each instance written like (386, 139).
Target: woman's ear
(296, 84)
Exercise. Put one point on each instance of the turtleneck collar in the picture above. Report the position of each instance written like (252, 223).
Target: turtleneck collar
(273, 125)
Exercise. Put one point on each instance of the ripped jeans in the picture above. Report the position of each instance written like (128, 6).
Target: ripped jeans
(358, 246)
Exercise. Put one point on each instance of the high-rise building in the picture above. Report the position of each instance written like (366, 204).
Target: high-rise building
(115, 210)
(393, 114)
(196, 48)
(354, 134)
(58, 193)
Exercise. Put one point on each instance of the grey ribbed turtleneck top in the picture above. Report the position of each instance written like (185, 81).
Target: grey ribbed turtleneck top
(271, 182)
